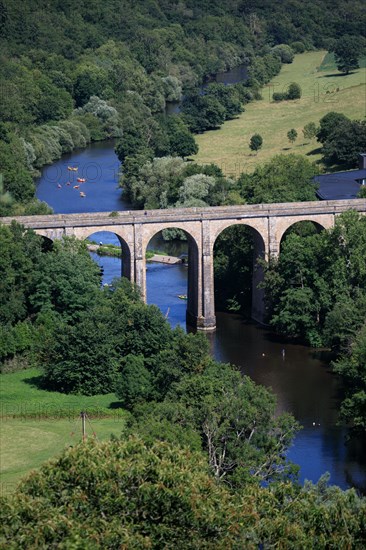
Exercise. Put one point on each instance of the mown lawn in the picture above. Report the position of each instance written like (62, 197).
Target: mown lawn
(36, 425)
(324, 89)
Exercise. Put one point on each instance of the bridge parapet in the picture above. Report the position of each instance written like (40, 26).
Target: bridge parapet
(190, 214)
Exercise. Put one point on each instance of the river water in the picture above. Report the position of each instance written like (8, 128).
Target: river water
(302, 379)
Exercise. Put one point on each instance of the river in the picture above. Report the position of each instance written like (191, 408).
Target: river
(302, 379)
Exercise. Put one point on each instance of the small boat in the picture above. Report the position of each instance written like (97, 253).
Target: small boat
(59, 186)
(72, 168)
(81, 180)
(76, 186)
(82, 194)
(182, 296)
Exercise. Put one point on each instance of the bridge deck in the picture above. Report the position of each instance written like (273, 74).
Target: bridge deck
(190, 214)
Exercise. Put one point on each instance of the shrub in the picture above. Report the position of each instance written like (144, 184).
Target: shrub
(298, 47)
(284, 52)
(135, 382)
(256, 142)
(294, 91)
(279, 96)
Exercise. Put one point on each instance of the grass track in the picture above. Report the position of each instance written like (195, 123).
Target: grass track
(228, 147)
(36, 425)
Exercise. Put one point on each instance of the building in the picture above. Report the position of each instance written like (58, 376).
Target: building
(342, 185)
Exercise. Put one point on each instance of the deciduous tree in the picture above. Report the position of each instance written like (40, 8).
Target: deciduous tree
(256, 142)
(292, 135)
(309, 130)
(347, 51)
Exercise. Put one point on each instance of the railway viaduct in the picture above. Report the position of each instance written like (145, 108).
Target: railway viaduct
(135, 229)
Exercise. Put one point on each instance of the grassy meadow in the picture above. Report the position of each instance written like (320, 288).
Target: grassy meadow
(36, 424)
(324, 89)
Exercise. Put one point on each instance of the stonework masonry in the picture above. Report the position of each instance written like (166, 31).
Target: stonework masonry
(135, 229)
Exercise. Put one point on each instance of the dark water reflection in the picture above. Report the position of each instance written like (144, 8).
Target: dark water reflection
(237, 74)
(305, 386)
(301, 380)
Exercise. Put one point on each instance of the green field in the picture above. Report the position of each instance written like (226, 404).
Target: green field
(324, 89)
(35, 424)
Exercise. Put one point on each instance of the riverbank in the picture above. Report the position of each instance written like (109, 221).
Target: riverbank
(324, 89)
(115, 252)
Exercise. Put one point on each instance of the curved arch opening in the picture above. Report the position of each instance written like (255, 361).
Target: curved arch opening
(47, 243)
(237, 271)
(111, 253)
(172, 266)
(304, 228)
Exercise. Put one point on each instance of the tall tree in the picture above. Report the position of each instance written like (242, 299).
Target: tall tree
(347, 51)
(345, 143)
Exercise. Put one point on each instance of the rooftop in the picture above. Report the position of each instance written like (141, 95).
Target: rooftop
(340, 185)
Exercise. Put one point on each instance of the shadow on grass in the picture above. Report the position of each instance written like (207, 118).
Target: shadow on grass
(36, 382)
(116, 405)
(336, 74)
(316, 151)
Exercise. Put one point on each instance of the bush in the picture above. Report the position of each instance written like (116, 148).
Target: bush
(279, 96)
(135, 382)
(284, 52)
(298, 47)
(256, 142)
(294, 91)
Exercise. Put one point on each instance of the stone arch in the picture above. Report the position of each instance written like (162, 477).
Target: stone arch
(193, 234)
(191, 229)
(258, 227)
(44, 234)
(259, 233)
(319, 227)
(47, 242)
(51, 234)
(126, 256)
(324, 221)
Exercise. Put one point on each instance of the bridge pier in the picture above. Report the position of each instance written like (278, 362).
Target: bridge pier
(204, 318)
(139, 262)
(201, 302)
(208, 321)
(201, 323)
(258, 312)
(128, 267)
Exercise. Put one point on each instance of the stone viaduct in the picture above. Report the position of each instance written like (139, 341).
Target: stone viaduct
(267, 223)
